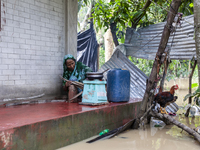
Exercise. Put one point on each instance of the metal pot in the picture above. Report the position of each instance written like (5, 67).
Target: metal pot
(94, 75)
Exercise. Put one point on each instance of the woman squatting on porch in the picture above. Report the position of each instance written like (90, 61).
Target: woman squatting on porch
(73, 71)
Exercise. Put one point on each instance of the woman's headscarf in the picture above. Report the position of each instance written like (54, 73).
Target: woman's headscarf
(66, 57)
(79, 72)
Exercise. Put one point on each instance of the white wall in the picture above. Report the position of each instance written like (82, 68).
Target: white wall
(32, 46)
(71, 27)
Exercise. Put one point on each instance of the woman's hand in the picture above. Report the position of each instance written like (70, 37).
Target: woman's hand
(68, 83)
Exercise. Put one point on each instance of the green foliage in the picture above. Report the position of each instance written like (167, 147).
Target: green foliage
(196, 94)
(125, 12)
(156, 14)
(143, 64)
(176, 69)
(194, 85)
(187, 8)
(191, 5)
(180, 69)
(121, 12)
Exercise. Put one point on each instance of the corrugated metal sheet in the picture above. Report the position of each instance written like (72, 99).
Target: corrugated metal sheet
(144, 42)
(138, 78)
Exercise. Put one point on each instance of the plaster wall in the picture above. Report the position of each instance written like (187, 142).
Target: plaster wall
(32, 46)
(71, 27)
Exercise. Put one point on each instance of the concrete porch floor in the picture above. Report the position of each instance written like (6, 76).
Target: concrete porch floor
(53, 125)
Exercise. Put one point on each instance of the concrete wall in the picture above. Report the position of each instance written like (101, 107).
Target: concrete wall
(71, 27)
(32, 46)
(62, 129)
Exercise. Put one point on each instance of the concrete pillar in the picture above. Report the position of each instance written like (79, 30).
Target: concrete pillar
(71, 13)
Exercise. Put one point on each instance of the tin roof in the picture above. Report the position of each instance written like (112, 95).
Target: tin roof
(144, 42)
(138, 78)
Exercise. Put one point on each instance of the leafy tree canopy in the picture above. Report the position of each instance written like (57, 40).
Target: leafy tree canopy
(124, 12)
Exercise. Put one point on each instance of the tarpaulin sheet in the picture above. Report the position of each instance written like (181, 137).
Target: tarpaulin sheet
(87, 48)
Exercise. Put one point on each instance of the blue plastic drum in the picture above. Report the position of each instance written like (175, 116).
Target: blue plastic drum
(118, 85)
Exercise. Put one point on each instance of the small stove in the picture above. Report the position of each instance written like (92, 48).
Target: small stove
(94, 92)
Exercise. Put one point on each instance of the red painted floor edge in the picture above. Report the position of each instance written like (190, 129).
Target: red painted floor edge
(16, 116)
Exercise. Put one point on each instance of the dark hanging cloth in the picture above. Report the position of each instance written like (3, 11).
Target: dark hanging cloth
(87, 48)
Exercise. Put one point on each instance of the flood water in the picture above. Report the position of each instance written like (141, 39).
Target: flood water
(168, 137)
(183, 90)
(152, 138)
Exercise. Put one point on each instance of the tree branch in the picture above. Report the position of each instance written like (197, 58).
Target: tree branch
(157, 63)
(177, 123)
(137, 19)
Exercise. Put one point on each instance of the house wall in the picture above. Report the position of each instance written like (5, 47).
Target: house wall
(32, 46)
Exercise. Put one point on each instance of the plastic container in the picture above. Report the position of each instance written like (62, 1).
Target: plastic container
(118, 85)
(157, 123)
(104, 131)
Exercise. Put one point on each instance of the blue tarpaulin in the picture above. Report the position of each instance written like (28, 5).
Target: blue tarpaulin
(87, 47)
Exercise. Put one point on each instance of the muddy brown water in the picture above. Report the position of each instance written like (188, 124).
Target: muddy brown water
(168, 137)
(152, 138)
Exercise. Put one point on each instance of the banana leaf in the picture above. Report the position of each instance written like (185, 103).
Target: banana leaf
(195, 94)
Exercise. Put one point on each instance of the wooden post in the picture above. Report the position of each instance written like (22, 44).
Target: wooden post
(190, 87)
(190, 80)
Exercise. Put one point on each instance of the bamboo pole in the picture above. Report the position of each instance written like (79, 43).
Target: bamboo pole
(20, 100)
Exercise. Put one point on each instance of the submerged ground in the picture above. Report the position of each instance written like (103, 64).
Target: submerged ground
(152, 138)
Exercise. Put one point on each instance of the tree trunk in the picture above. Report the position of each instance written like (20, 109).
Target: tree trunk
(197, 32)
(151, 83)
(108, 45)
